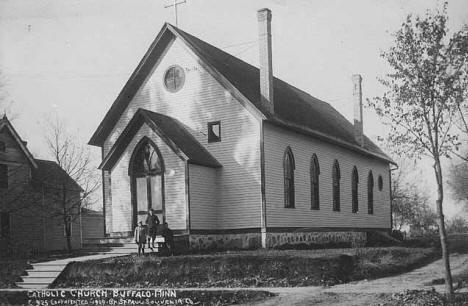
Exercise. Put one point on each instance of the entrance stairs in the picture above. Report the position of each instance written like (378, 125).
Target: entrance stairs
(44, 273)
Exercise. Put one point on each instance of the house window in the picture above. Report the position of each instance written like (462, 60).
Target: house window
(3, 176)
(174, 78)
(336, 186)
(68, 225)
(354, 190)
(380, 183)
(314, 183)
(214, 131)
(288, 169)
(5, 225)
(370, 193)
(2, 146)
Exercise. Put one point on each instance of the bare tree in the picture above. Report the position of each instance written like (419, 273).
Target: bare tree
(74, 182)
(424, 90)
(6, 104)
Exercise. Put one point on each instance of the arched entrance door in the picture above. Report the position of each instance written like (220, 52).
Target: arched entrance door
(147, 181)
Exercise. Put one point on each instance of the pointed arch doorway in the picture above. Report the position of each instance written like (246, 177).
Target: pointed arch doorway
(146, 172)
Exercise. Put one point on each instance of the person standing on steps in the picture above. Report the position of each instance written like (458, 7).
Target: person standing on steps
(140, 238)
(152, 221)
(168, 238)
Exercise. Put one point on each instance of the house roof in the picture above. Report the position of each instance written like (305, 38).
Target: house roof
(177, 135)
(5, 123)
(294, 109)
(50, 174)
(91, 212)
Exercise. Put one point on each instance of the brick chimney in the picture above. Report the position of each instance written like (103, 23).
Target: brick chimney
(266, 67)
(357, 101)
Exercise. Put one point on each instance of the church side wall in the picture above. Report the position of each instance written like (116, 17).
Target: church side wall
(201, 100)
(202, 188)
(174, 185)
(277, 139)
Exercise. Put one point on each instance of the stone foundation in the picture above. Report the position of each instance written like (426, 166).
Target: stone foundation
(253, 240)
(354, 239)
(225, 241)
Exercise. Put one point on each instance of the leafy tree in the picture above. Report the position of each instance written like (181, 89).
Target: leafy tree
(458, 182)
(410, 206)
(427, 84)
(457, 225)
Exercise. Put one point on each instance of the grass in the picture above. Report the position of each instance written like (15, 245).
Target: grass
(11, 271)
(261, 268)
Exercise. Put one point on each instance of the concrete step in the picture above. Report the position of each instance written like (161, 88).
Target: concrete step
(31, 285)
(34, 273)
(38, 280)
(114, 241)
(37, 267)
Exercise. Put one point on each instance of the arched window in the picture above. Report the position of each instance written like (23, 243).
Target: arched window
(380, 182)
(370, 193)
(288, 169)
(147, 175)
(336, 185)
(314, 183)
(354, 190)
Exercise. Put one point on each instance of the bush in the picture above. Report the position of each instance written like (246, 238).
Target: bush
(399, 235)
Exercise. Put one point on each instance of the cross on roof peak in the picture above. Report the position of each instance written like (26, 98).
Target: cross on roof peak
(174, 4)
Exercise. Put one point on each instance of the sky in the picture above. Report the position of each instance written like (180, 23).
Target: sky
(71, 58)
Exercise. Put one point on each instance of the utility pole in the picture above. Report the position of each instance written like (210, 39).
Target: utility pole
(175, 4)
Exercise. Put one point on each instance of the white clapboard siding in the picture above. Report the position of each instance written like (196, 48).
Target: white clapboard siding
(174, 185)
(203, 186)
(202, 100)
(277, 139)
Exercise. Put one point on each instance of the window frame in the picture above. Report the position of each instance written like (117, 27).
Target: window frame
(5, 234)
(210, 133)
(336, 177)
(182, 82)
(289, 166)
(370, 193)
(354, 190)
(380, 182)
(2, 147)
(314, 183)
(4, 176)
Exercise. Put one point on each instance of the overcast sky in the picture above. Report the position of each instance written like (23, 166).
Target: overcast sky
(71, 58)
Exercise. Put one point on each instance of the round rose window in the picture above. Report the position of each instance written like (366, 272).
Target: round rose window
(174, 78)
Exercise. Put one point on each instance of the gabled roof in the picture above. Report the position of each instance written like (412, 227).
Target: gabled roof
(5, 123)
(50, 174)
(172, 131)
(294, 108)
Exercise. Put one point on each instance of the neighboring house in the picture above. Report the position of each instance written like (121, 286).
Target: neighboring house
(230, 156)
(30, 215)
(92, 224)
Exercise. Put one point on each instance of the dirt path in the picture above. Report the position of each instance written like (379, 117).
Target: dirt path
(366, 292)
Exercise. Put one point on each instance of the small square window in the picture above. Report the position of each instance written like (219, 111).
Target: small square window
(214, 131)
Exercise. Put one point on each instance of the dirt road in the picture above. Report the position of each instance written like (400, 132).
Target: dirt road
(364, 292)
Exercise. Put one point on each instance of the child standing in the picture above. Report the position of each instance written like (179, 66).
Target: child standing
(140, 237)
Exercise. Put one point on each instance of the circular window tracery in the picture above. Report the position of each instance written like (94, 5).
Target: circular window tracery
(174, 78)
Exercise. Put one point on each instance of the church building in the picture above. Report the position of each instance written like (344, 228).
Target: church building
(232, 157)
